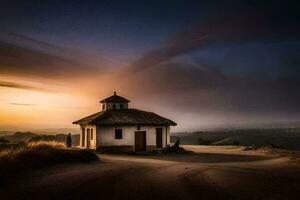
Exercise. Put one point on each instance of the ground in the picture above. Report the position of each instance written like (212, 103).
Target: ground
(213, 172)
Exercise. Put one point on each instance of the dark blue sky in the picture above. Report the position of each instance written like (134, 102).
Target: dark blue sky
(130, 28)
(237, 58)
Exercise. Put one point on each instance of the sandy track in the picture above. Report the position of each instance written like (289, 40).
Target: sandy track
(212, 173)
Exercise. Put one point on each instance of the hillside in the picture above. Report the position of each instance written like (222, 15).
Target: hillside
(288, 138)
(20, 136)
(26, 136)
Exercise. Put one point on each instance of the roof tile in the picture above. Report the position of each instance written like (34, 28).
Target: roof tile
(125, 117)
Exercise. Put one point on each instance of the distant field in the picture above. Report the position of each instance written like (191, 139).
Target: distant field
(281, 138)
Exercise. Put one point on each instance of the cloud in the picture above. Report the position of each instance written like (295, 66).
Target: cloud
(30, 40)
(22, 104)
(232, 24)
(21, 86)
(198, 89)
(25, 56)
(24, 61)
(63, 107)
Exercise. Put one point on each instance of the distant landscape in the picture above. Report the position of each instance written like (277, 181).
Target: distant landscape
(47, 131)
(27, 136)
(284, 138)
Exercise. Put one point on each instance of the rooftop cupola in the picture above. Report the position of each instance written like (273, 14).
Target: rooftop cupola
(114, 102)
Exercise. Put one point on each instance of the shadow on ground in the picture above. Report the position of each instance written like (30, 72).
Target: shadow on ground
(208, 158)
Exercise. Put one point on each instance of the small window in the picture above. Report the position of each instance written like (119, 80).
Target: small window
(92, 136)
(138, 127)
(114, 106)
(118, 134)
(103, 107)
(121, 106)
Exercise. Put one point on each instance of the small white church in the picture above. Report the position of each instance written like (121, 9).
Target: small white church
(120, 128)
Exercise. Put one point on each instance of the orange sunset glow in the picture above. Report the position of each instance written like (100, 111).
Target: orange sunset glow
(233, 69)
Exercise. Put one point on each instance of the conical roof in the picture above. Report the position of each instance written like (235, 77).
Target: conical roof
(115, 99)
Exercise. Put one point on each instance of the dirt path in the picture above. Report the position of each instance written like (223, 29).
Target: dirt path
(211, 173)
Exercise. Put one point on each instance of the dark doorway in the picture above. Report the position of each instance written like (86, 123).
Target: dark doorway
(88, 138)
(83, 137)
(140, 141)
(158, 137)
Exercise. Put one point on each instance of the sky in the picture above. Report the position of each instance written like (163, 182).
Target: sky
(203, 64)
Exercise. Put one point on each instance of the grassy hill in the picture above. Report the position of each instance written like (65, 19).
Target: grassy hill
(288, 138)
(27, 136)
(16, 158)
(20, 136)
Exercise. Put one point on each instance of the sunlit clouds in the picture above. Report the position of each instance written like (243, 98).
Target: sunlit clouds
(203, 64)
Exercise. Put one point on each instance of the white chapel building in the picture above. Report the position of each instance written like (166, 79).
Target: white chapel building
(118, 127)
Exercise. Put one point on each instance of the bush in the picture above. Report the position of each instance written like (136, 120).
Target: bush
(40, 154)
(176, 148)
(43, 155)
(49, 143)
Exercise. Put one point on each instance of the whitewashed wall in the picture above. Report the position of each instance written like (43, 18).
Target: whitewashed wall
(106, 135)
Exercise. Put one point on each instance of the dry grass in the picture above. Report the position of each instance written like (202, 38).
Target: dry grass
(13, 149)
(40, 143)
(40, 154)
